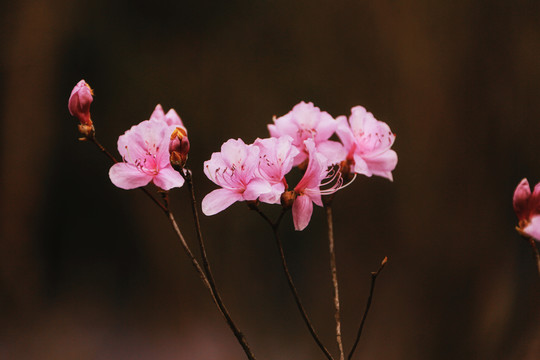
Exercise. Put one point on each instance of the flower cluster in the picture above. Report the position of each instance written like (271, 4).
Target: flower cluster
(145, 150)
(300, 138)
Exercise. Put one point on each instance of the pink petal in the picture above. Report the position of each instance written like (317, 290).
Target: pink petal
(274, 196)
(383, 164)
(172, 118)
(218, 200)
(333, 151)
(158, 113)
(168, 178)
(255, 188)
(127, 176)
(533, 229)
(521, 199)
(344, 132)
(302, 210)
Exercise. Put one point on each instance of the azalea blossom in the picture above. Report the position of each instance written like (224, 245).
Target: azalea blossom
(275, 161)
(145, 153)
(79, 102)
(367, 142)
(306, 121)
(308, 189)
(527, 208)
(235, 169)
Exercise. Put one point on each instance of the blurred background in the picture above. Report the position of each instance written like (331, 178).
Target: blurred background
(90, 271)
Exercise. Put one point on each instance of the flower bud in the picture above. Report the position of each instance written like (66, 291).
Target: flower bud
(79, 103)
(179, 148)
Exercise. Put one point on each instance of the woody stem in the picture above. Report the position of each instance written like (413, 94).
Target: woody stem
(186, 174)
(292, 287)
(333, 270)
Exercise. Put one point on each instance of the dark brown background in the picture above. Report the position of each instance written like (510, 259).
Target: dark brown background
(89, 271)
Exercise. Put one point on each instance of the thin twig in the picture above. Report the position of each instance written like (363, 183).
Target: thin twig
(292, 287)
(368, 304)
(237, 333)
(206, 275)
(333, 270)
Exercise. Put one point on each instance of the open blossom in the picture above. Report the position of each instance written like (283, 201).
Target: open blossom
(275, 161)
(235, 169)
(79, 102)
(527, 208)
(306, 121)
(367, 142)
(308, 189)
(145, 153)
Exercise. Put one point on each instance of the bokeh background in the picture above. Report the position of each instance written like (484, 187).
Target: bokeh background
(89, 271)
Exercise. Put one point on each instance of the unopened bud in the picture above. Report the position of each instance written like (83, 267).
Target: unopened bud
(287, 199)
(79, 102)
(179, 148)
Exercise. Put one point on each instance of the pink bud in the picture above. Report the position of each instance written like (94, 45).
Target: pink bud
(179, 148)
(79, 102)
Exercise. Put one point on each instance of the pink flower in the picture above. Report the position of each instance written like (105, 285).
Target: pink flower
(367, 142)
(79, 102)
(235, 169)
(275, 161)
(305, 121)
(308, 189)
(527, 208)
(145, 151)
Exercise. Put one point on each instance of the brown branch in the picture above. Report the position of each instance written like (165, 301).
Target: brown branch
(368, 304)
(292, 287)
(237, 333)
(205, 276)
(333, 270)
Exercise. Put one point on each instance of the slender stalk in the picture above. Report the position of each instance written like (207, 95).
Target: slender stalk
(239, 336)
(368, 305)
(292, 287)
(206, 275)
(333, 270)
(535, 253)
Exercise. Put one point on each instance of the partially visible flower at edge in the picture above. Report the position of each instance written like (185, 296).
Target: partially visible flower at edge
(306, 121)
(145, 153)
(235, 170)
(527, 208)
(367, 142)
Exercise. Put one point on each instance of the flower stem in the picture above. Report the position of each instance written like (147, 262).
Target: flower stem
(333, 270)
(292, 287)
(239, 336)
(205, 276)
(368, 304)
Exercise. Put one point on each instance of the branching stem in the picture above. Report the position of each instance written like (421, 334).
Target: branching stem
(368, 304)
(292, 287)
